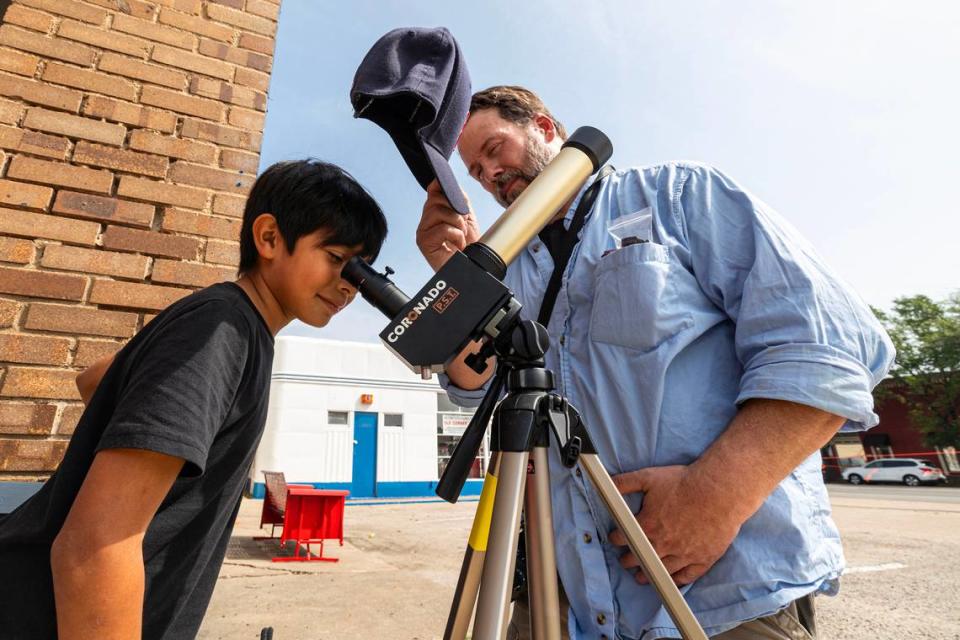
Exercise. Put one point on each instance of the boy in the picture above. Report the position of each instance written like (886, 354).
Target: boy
(126, 539)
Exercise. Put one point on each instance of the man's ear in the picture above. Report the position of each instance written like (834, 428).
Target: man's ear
(266, 236)
(545, 124)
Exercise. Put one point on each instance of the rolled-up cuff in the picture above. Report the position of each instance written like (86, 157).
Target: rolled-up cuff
(815, 375)
(462, 397)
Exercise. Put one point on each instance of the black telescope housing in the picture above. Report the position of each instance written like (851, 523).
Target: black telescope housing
(464, 301)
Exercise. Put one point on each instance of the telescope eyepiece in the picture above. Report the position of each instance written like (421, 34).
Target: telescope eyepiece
(376, 288)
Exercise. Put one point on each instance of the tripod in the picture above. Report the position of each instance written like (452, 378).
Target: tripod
(521, 430)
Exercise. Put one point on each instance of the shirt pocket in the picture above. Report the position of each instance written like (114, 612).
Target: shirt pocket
(635, 302)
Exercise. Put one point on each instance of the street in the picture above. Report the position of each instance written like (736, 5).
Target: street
(400, 562)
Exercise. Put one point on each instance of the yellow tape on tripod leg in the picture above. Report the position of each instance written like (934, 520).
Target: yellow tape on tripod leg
(481, 521)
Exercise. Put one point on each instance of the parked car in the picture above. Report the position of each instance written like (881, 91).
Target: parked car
(909, 471)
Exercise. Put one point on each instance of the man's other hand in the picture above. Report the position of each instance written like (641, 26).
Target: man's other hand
(442, 230)
(689, 528)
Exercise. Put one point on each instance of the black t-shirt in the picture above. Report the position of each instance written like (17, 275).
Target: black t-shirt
(192, 384)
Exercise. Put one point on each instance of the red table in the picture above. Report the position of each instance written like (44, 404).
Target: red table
(312, 515)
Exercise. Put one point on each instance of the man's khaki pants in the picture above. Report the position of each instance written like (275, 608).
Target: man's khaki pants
(796, 622)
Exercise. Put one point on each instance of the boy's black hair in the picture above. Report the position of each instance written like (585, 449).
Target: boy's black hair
(306, 195)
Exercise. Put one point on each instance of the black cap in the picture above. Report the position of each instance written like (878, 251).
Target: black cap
(414, 84)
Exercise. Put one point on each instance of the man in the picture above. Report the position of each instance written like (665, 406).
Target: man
(126, 538)
(711, 354)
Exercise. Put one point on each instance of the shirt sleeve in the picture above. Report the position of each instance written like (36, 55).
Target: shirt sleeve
(801, 334)
(463, 397)
(181, 386)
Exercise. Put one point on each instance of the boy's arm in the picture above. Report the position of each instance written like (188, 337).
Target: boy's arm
(89, 378)
(97, 558)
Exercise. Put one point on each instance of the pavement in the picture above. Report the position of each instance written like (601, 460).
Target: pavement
(399, 564)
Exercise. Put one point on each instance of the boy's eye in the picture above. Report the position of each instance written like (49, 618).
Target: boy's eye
(337, 259)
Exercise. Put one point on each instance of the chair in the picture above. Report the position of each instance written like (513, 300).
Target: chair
(274, 502)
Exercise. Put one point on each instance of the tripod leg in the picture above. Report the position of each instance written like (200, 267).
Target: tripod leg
(541, 554)
(493, 605)
(640, 546)
(465, 597)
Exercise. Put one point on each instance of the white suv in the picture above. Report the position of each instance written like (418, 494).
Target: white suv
(909, 471)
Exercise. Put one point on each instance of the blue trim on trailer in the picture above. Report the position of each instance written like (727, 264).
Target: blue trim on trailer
(384, 489)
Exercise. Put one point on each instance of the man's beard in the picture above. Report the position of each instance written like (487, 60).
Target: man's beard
(538, 156)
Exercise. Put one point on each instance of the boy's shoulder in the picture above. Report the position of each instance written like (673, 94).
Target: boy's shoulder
(211, 306)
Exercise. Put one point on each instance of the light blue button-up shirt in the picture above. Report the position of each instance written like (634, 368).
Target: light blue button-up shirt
(656, 344)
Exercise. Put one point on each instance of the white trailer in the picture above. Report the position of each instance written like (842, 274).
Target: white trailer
(350, 415)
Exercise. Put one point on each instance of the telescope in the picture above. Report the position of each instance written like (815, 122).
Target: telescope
(466, 299)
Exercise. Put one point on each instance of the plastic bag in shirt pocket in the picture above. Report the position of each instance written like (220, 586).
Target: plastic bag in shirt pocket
(635, 302)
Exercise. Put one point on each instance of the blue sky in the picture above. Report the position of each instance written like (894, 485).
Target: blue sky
(843, 116)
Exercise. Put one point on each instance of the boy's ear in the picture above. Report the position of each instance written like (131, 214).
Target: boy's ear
(266, 236)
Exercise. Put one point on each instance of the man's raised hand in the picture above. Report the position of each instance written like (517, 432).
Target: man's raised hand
(442, 230)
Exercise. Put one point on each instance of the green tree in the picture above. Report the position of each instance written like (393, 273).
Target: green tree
(926, 374)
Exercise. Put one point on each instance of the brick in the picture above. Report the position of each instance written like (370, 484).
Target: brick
(221, 135)
(155, 32)
(74, 126)
(240, 160)
(31, 455)
(196, 24)
(18, 62)
(80, 320)
(69, 418)
(133, 68)
(16, 250)
(32, 382)
(182, 103)
(257, 43)
(34, 142)
(120, 159)
(47, 47)
(69, 9)
(106, 263)
(28, 18)
(229, 205)
(90, 350)
(200, 224)
(60, 174)
(26, 196)
(9, 311)
(242, 20)
(27, 418)
(236, 4)
(30, 349)
(174, 147)
(85, 205)
(246, 119)
(90, 80)
(252, 78)
(151, 242)
(39, 284)
(190, 274)
(143, 189)
(217, 179)
(135, 8)
(268, 10)
(103, 39)
(137, 296)
(187, 6)
(192, 62)
(37, 225)
(220, 252)
(128, 113)
(230, 93)
(40, 93)
(10, 111)
(234, 55)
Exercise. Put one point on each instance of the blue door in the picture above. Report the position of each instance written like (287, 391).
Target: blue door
(364, 455)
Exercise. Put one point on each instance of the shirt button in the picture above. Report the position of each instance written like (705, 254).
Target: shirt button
(587, 538)
(536, 248)
(563, 339)
(601, 619)
(579, 473)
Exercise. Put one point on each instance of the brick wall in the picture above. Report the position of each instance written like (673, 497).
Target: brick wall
(129, 133)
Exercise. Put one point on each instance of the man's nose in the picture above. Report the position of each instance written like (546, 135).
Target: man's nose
(489, 174)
